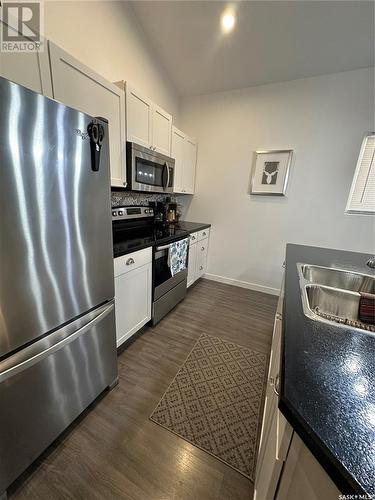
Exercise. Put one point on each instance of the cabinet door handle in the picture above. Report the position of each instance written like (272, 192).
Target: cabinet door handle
(125, 184)
(193, 237)
(276, 386)
(279, 316)
(130, 261)
(204, 234)
(201, 268)
(202, 249)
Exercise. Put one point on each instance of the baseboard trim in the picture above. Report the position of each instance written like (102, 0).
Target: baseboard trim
(242, 284)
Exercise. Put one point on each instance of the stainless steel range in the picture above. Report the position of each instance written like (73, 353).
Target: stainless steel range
(57, 324)
(134, 228)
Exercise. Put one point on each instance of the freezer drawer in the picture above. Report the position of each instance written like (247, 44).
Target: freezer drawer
(46, 386)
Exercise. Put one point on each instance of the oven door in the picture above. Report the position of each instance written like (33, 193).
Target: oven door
(150, 171)
(163, 279)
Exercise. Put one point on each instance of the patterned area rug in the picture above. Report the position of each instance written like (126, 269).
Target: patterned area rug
(214, 402)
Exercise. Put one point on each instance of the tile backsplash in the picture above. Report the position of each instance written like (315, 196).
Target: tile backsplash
(120, 198)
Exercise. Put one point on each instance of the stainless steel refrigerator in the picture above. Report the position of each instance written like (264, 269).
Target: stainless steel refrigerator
(57, 327)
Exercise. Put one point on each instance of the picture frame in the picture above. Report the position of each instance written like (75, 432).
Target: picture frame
(270, 172)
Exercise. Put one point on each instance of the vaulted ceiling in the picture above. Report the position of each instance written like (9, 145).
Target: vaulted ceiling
(272, 41)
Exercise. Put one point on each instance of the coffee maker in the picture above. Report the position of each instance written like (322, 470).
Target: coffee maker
(159, 208)
(165, 212)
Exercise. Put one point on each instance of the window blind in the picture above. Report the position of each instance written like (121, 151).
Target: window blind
(362, 193)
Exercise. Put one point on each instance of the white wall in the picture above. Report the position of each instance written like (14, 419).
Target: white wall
(106, 36)
(323, 120)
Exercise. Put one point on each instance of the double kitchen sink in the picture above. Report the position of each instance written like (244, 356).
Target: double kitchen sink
(333, 295)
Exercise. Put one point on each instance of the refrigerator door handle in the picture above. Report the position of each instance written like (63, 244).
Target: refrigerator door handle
(31, 355)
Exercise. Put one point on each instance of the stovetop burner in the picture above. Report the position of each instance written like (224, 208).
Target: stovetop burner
(134, 233)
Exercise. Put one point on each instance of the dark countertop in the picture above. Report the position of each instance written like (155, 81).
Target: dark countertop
(123, 244)
(328, 379)
(192, 227)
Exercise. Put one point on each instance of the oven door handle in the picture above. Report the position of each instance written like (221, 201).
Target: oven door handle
(164, 247)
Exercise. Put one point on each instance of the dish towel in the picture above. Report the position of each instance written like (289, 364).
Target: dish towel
(366, 312)
(177, 256)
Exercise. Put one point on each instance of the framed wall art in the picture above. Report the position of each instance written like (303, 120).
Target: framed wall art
(270, 172)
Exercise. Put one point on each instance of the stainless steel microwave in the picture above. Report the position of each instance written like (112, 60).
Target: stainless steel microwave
(148, 170)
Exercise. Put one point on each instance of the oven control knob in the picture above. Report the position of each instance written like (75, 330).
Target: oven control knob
(120, 212)
(114, 213)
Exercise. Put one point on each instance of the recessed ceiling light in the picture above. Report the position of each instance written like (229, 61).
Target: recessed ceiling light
(228, 21)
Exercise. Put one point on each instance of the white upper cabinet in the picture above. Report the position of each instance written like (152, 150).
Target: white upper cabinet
(138, 118)
(178, 153)
(30, 69)
(161, 130)
(184, 151)
(147, 124)
(362, 193)
(189, 166)
(78, 86)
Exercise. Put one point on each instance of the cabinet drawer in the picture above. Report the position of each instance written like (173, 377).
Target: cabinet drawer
(205, 233)
(194, 237)
(133, 260)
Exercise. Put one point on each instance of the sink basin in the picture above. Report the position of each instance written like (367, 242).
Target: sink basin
(333, 302)
(332, 295)
(337, 278)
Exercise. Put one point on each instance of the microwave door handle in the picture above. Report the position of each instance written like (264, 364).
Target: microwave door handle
(168, 176)
(165, 166)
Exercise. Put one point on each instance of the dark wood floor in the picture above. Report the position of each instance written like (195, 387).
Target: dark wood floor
(115, 451)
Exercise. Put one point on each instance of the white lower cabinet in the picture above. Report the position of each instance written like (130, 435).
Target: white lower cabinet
(276, 432)
(133, 280)
(286, 470)
(202, 252)
(192, 263)
(304, 477)
(198, 250)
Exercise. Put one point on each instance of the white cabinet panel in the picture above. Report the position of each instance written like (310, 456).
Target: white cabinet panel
(303, 476)
(29, 69)
(201, 257)
(138, 117)
(131, 261)
(147, 123)
(178, 153)
(189, 166)
(192, 264)
(132, 301)
(80, 87)
(269, 467)
(194, 237)
(161, 130)
(184, 150)
(203, 234)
